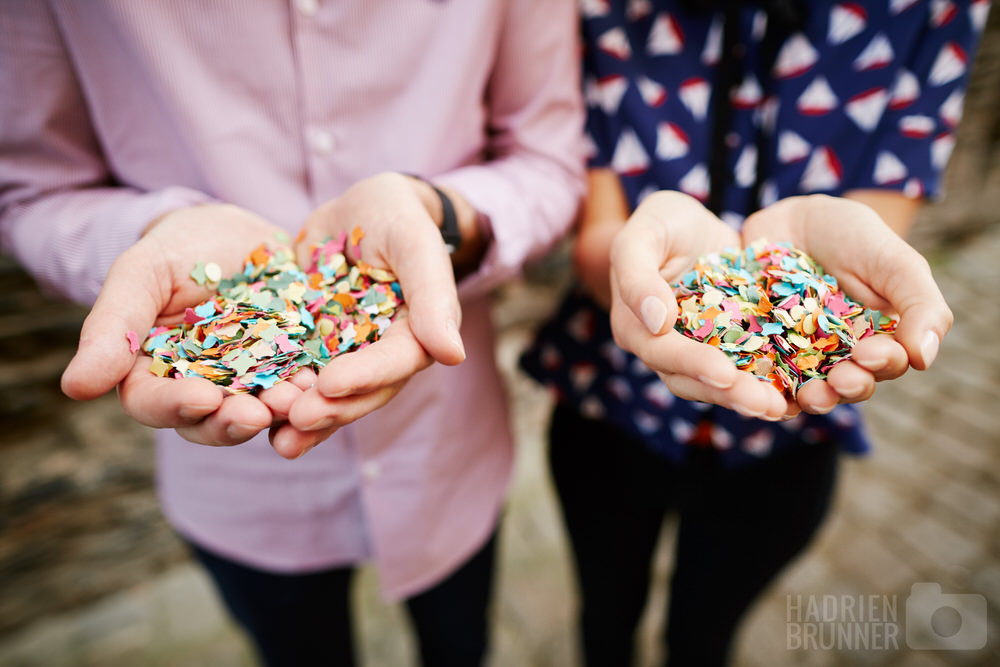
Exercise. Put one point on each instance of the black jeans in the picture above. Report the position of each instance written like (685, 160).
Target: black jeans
(738, 528)
(304, 620)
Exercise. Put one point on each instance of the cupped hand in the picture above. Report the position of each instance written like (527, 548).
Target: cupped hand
(149, 285)
(401, 236)
(871, 262)
(659, 243)
(873, 265)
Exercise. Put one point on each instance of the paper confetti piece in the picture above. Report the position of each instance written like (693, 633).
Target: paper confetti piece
(272, 319)
(774, 312)
(133, 341)
(213, 272)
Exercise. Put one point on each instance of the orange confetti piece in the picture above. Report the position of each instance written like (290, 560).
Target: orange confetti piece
(345, 300)
(356, 235)
(260, 256)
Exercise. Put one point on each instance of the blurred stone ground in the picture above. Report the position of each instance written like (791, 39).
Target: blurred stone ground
(91, 575)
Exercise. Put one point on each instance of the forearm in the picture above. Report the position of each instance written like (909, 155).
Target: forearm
(592, 260)
(896, 209)
(475, 236)
(604, 213)
(530, 185)
(69, 239)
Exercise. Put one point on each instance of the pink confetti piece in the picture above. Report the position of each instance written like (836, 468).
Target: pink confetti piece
(133, 341)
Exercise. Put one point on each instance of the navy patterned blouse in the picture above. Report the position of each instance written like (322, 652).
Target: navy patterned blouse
(856, 95)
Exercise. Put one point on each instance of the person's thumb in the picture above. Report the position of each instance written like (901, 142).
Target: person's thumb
(126, 308)
(428, 283)
(635, 273)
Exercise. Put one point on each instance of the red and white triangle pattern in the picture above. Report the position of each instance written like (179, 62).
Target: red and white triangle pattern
(721, 438)
(866, 108)
(713, 44)
(796, 57)
(914, 188)
(905, 90)
(653, 94)
(767, 113)
(916, 126)
(695, 182)
(671, 142)
(792, 147)
(607, 92)
(614, 42)
(847, 20)
(823, 172)
(943, 12)
(582, 375)
(630, 158)
(593, 8)
(979, 10)
(636, 10)
(888, 169)
(941, 149)
(694, 94)
(951, 109)
(900, 6)
(749, 93)
(759, 443)
(877, 54)
(657, 393)
(666, 37)
(817, 99)
(951, 63)
(745, 172)
(646, 422)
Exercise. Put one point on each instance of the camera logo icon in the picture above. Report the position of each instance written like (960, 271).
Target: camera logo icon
(944, 621)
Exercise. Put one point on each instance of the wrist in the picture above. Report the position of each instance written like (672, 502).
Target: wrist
(464, 230)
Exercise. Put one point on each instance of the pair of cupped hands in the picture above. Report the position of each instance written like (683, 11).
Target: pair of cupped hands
(150, 285)
(670, 230)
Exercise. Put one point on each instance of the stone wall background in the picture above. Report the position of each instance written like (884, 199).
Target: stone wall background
(80, 526)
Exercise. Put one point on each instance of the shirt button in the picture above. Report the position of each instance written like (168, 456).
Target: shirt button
(321, 141)
(307, 8)
(371, 470)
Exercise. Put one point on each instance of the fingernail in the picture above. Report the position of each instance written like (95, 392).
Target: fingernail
(853, 392)
(711, 382)
(929, 348)
(340, 394)
(193, 412)
(747, 412)
(456, 337)
(241, 431)
(325, 422)
(872, 364)
(823, 409)
(769, 418)
(654, 314)
(298, 456)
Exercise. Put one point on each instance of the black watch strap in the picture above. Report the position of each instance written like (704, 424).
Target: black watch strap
(449, 220)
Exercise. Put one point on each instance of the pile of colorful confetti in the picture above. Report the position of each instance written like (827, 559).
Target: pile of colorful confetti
(774, 312)
(273, 318)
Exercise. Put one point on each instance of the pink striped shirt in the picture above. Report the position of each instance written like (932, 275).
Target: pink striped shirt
(113, 112)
